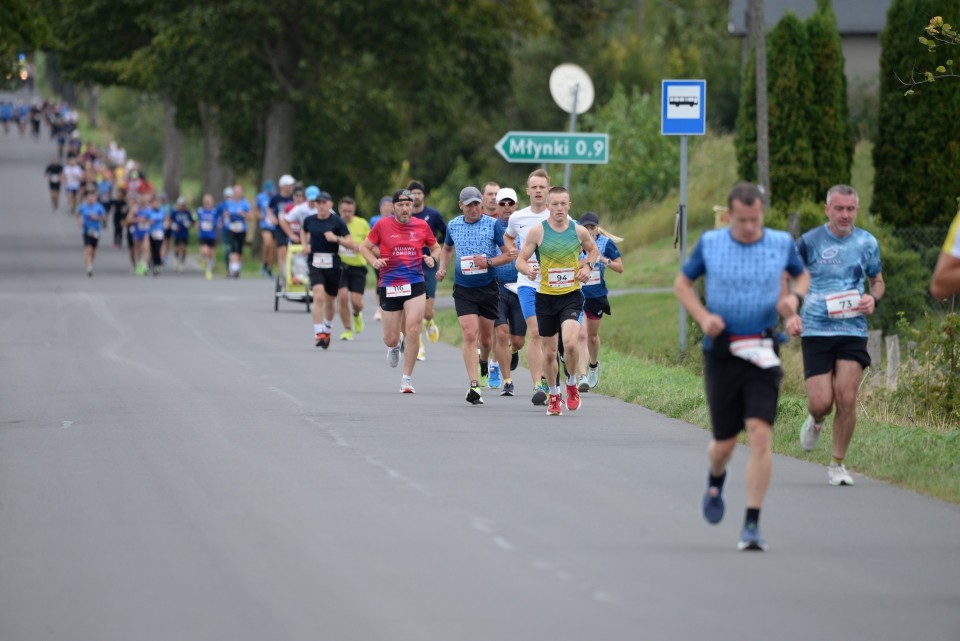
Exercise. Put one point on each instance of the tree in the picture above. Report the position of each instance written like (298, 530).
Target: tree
(917, 153)
(830, 135)
(22, 28)
(792, 174)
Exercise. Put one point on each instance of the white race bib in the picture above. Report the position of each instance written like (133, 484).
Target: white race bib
(511, 287)
(93, 233)
(175, 227)
(236, 226)
(143, 225)
(843, 304)
(397, 291)
(157, 235)
(55, 179)
(206, 225)
(758, 351)
(468, 267)
(594, 276)
(347, 253)
(561, 277)
(323, 261)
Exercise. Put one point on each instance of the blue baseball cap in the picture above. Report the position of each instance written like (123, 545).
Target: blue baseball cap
(268, 186)
(312, 193)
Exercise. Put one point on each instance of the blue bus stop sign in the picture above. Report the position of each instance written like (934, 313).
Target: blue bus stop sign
(683, 112)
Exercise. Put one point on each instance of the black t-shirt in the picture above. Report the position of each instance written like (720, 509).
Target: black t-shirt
(120, 209)
(278, 204)
(437, 224)
(54, 173)
(317, 228)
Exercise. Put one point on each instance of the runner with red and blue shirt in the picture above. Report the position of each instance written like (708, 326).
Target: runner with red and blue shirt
(90, 214)
(400, 240)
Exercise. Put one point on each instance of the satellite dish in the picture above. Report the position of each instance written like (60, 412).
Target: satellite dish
(569, 81)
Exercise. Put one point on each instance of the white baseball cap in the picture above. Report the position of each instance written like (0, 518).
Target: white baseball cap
(507, 194)
(285, 180)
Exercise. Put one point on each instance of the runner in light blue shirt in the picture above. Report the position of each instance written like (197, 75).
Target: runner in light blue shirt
(90, 214)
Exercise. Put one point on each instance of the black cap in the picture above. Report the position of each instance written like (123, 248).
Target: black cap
(402, 194)
(589, 218)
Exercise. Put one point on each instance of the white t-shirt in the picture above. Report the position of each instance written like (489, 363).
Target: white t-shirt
(521, 222)
(72, 174)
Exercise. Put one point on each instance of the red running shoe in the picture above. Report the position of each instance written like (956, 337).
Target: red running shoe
(555, 405)
(573, 398)
(323, 340)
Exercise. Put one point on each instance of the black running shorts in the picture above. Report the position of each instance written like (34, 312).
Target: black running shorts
(483, 301)
(821, 352)
(738, 390)
(353, 278)
(395, 303)
(554, 309)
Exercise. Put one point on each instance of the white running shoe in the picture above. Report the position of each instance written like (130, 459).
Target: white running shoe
(393, 353)
(810, 434)
(593, 375)
(406, 386)
(837, 474)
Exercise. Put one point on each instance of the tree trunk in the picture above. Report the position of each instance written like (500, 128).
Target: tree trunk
(758, 33)
(278, 148)
(216, 175)
(93, 105)
(172, 151)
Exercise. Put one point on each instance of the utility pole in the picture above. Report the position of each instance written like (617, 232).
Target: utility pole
(758, 35)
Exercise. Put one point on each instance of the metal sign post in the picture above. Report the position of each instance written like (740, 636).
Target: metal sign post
(683, 113)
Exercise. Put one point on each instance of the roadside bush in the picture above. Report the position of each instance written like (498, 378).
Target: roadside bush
(929, 378)
(644, 165)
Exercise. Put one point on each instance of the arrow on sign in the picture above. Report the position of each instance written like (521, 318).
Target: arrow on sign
(550, 147)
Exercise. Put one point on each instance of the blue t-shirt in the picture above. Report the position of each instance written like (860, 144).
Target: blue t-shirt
(90, 215)
(263, 204)
(469, 239)
(236, 212)
(436, 222)
(156, 218)
(608, 249)
(836, 265)
(743, 280)
(104, 187)
(180, 222)
(207, 223)
(506, 273)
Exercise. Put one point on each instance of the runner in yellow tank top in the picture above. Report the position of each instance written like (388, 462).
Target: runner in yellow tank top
(557, 243)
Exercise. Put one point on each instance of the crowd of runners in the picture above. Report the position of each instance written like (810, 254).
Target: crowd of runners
(533, 280)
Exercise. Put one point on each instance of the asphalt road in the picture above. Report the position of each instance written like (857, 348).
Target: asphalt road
(178, 462)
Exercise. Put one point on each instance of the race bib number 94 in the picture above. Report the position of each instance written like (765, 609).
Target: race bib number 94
(560, 277)
(843, 304)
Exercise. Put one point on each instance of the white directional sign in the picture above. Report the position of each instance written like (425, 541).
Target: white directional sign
(684, 108)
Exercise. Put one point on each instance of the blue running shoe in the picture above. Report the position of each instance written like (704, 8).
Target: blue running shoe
(750, 539)
(712, 507)
(495, 380)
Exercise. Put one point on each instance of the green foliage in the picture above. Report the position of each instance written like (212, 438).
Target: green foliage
(917, 152)
(793, 177)
(644, 165)
(929, 377)
(745, 139)
(830, 136)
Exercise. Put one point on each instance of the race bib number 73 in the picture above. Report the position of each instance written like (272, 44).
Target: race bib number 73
(843, 304)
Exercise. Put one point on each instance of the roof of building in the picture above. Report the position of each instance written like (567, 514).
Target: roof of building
(863, 17)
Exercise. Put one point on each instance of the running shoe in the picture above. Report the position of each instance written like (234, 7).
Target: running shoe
(593, 375)
(393, 353)
(484, 374)
(433, 332)
(750, 539)
(712, 506)
(421, 353)
(583, 385)
(376, 314)
(323, 340)
(406, 386)
(358, 322)
(496, 380)
(539, 396)
(89, 272)
(507, 389)
(837, 475)
(573, 398)
(264, 272)
(555, 406)
(810, 433)
(473, 396)
(208, 275)
(514, 360)
(346, 336)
